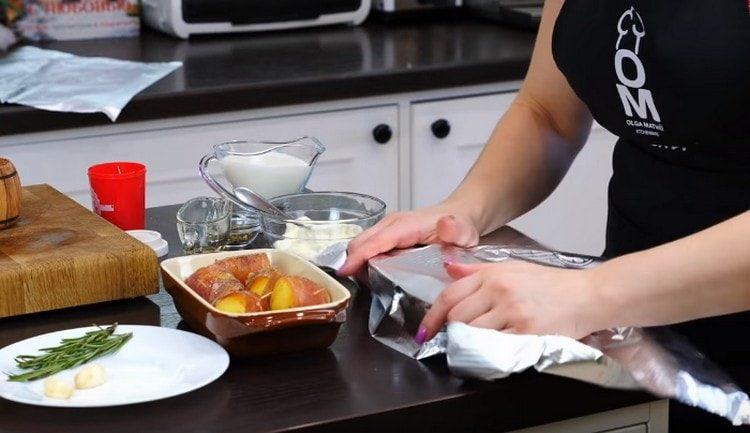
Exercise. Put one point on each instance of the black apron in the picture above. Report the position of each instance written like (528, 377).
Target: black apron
(670, 78)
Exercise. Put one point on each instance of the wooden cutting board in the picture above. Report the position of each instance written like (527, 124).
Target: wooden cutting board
(59, 254)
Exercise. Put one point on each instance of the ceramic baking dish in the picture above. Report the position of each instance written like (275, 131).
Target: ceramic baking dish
(263, 333)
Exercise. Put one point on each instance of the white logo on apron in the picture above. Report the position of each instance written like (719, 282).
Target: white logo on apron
(636, 100)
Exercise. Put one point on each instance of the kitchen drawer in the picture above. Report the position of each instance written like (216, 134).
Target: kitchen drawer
(439, 164)
(354, 161)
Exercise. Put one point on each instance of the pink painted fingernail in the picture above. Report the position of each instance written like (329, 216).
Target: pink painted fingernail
(421, 335)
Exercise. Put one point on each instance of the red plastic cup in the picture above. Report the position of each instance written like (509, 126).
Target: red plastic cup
(118, 193)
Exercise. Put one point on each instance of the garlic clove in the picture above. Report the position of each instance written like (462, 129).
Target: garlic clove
(58, 388)
(90, 377)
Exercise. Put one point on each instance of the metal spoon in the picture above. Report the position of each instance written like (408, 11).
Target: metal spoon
(256, 201)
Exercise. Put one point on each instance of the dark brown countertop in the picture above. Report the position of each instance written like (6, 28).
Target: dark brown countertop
(235, 72)
(358, 385)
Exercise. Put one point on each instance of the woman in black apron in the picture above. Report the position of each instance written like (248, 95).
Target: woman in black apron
(672, 80)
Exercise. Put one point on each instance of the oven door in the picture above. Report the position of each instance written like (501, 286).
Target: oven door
(244, 12)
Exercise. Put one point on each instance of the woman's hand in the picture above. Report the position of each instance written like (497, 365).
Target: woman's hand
(517, 297)
(406, 229)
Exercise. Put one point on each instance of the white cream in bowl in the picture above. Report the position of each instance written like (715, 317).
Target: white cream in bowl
(309, 240)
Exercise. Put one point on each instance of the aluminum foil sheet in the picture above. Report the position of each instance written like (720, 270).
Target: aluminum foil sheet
(405, 283)
(57, 81)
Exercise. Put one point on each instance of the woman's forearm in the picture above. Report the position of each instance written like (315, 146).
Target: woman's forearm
(531, 147)
(522, 163)
(705, 274)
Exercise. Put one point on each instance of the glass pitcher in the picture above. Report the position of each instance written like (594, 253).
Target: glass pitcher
(269, 168)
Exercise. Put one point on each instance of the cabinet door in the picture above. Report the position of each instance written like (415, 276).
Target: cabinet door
(574, 217)
(353, 160)
(439, 164)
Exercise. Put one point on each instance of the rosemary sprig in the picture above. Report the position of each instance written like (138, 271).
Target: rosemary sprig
(71, 352)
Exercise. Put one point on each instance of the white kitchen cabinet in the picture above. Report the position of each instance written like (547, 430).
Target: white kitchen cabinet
(414, 168)
(572, 218)
(439, 164)
(354, 161)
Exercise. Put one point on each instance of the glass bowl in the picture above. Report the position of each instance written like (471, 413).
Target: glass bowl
(203, 224)
(321, 220)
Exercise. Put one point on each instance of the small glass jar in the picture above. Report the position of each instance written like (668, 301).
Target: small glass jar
(203, 224)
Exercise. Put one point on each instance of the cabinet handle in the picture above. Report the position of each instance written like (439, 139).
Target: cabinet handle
(440, 128)
(382, 133)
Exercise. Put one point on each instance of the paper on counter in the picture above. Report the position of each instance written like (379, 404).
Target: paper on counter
(56, 81)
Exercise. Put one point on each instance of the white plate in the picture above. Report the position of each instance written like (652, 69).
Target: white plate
(156, 363)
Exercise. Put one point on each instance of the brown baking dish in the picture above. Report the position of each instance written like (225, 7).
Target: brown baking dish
(263, 333)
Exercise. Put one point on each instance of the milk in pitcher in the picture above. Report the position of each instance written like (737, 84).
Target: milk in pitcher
(269, 174)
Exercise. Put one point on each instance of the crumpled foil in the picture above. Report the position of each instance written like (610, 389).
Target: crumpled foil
(405, 283)
(57, 81)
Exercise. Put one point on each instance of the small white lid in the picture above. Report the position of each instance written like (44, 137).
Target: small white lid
(153, 239)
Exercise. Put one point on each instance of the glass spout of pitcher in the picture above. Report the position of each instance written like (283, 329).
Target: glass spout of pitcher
(269, 168)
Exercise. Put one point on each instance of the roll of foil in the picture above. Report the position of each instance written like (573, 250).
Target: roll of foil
(405, 283)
